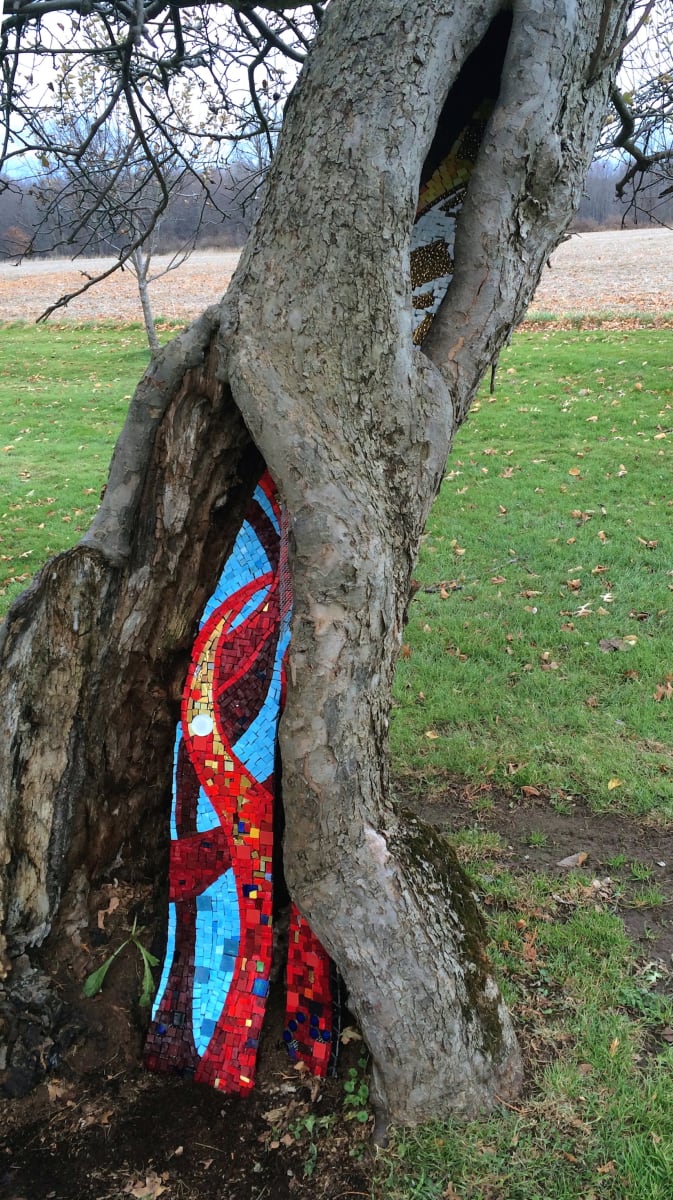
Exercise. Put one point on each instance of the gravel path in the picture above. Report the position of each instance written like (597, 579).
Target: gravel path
(621, 271)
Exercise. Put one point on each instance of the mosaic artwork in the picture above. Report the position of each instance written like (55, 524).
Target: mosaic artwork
(440, 200)
(210, 1004)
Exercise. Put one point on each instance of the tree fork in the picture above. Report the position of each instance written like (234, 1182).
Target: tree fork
(312, 346)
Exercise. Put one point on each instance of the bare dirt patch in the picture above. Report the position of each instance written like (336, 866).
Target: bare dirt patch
(622, 272)
(28, 288)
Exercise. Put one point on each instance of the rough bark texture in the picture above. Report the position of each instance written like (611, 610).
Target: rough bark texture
(313, 342)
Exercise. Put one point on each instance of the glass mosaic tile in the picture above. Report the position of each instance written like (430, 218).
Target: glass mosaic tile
(210, 1004)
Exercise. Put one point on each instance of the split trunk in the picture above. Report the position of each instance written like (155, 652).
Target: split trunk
(308, 365)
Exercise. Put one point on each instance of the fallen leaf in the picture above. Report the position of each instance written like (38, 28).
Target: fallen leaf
(528, 790)
(649, 545)
(106, 912)
(602, 535)
(274, 1115)
(405, 652)
(350, 1034)
(431, 734)
(573, 585)
(591, 702)
(608, 1167)
(575, 472)
(622, 471)
(574, 860)
(149, 1190)
(498, 579)
(664, 691)
(529, 950)
(615, 783)
(598, 570)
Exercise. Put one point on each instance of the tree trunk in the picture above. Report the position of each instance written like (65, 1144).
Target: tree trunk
(312, 346)
(141, 263)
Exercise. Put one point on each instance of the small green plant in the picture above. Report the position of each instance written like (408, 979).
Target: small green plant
(616, 861)
(94, 982)
(649, 897)
(537, 838)
(640, 872)
(356, 1089)
(311, 1125)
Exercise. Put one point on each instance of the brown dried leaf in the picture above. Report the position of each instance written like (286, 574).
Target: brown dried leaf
(106, 912)
(574, 860)
(149, 1190)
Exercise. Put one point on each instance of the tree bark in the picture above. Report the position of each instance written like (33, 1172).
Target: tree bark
(141, 261)
(309, 363)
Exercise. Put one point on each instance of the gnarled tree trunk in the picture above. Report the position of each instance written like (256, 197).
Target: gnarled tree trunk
(309, 363)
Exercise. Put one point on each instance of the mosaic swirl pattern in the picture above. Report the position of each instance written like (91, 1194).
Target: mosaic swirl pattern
(210, 1003)
(434, 233)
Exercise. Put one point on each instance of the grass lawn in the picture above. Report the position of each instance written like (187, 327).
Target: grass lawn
(538, 652)
(538, 665)
(64, 392)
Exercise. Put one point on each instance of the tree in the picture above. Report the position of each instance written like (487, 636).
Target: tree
(308, 364)
(104, 185)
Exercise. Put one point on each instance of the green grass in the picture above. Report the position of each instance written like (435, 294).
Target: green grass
(596, 1120)
(505, 671)
(553, 532)
(64, 392)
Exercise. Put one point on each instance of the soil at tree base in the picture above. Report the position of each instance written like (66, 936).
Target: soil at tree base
(92, 1133)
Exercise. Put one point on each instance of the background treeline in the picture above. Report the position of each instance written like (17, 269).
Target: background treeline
(222, 219)
(219, 218)
(601, 208)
